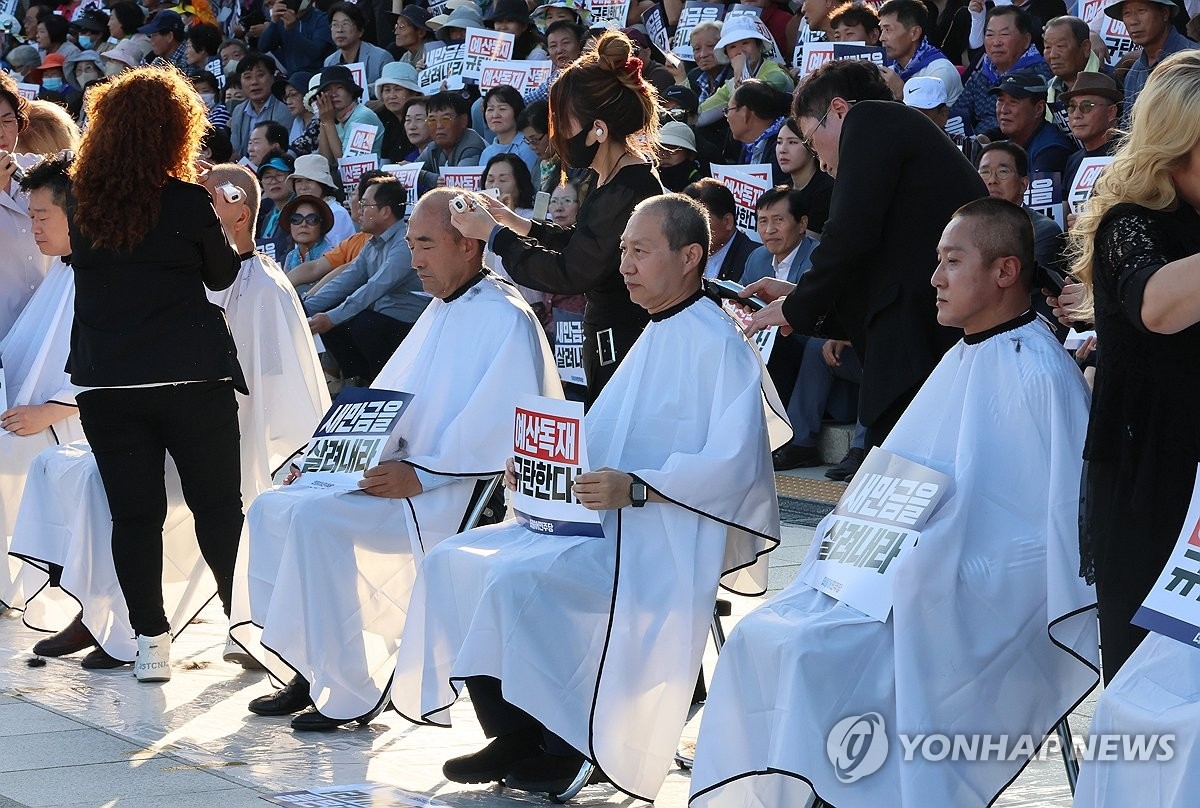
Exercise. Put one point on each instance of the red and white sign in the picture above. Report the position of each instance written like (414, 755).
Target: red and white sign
(812, 55)
(360, 140)
(549, 453)
(359, 71)
(1084, 183)
(485, 46)
(747, 183)
(28, 91)
(521, 74)
(468, 177)
(351, 168)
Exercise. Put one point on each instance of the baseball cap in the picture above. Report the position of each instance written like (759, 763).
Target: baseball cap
(925, 92)
(163, 21)
(1021, 84)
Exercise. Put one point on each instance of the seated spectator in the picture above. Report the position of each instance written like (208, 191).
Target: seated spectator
(347, 24)
(267, 139)
(309, 220)
(747, 49)
(928, 95)
(395, 87)
(412, 35)
(1021, 114)
(86, 67)
(677, 164)
(53, 36)
(507, 174)
(564, 44)
(202, 49)
(653, 71)
(680, 103)
(1092, 104)
(756, 112)
(256, 75)
(312, 178)
(564, 212)
(571, 11)
(1007, 46)
(124, 19)
(215, 147)
(23, 59)
(452, 28)
(512, 17)
(122, 56)
(812, 24)
(338, 108)
(502, 106)
(273, 236)
(852, 22)
(712, 65)
(309, 141)
(805, 175)
(453, 142)
(298, 35)
(990, 602)
(232, 51)
(168, 41)
(534, 123)
(776, 16)
(332, 622)
(209, 88)
(1149, 23)
(91, 32)
(1069, 53)
(529, 620)
(729, 247)
(369, 308)
(51, 75)
(823, 362)
(312, 274)
(902, 25)
(416, 127)
(291, 93)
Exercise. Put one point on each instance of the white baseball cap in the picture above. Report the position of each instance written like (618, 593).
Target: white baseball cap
(925, 92)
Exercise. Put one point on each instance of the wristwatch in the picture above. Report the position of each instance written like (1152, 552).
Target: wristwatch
(638, 492)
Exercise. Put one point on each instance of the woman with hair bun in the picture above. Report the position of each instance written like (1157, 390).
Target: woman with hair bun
(603, 116)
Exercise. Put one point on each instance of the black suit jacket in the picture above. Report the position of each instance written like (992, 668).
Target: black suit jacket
(740, 248)
(899, 180)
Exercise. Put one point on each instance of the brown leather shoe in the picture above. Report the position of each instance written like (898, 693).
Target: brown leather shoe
(74, 637)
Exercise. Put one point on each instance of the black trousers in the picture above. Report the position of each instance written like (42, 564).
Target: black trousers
(498, 717)
(363, 344)
(130, 431)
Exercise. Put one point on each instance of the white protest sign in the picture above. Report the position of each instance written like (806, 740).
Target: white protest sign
(1090, 169)
(549, 453)
(568, 346)
(873, 531)
(811, 55)
(441, 65)
(747, 183)
(694, 12)
(409, 176)
(468, 177)
(655, 20)
(483, 46)
(8, 7)
(522, 75)
(28, 91)
(359, 71)
(1045, 195)
(1075, 339)
(606, 11)
(764, 340)
(360, 140)
(1173, 606)
(354, 796)
(1116, 36)
(351, 168)
(267, 247)
(351, 437)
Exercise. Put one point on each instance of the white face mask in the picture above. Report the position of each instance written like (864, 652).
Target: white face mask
(209, 99)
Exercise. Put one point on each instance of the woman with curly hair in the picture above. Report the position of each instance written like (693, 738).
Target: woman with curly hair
(1137, 249)
(603, 117)
(155, 356)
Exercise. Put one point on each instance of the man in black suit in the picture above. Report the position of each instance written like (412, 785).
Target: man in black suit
(730, 246)
(870, 274)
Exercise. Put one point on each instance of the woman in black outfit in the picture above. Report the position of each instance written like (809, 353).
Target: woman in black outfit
(599, 108)
(155, 356)
(1138, 249)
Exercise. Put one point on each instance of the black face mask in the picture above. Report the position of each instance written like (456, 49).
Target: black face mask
(579, 154)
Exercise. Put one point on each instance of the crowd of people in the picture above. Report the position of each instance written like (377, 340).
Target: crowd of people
(189, 276)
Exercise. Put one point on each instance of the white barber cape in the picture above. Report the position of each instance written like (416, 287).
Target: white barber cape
(1156, 693)
(992, 630)
(601, 639)
(327, 573)
(34, 356)
(65, 520)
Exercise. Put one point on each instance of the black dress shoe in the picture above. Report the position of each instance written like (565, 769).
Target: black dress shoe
(291, 698)
(546, 773)
(847, 467)
(493, 762)
(795, 457)
(312, 721)
(99, 659)
(74, 637)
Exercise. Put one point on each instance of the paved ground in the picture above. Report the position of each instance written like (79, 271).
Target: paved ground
(70, 737)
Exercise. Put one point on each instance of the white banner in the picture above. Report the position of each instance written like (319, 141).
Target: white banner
(351, 168)
(409, 175)
(350, 438)
(747, 183)
(522, 75)
(568, 346)
(359, 71)
(442, 66)
(469, 177)
(360, 140)
(764, 340)
(549, 453)
(609, 11)
(482, 46)
(694, 13)
(1090, 169)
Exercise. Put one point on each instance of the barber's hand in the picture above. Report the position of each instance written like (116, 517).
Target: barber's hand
(1067, 304)
(320, 323)
(510, 474)
(768, 289)
(8, 166)
(503, 213)
(603, 490)
(475, 222)
(31, 419)
(831, 352)
(392, 479)
(770, 316)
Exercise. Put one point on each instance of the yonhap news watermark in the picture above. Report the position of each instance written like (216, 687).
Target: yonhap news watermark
(858, 746)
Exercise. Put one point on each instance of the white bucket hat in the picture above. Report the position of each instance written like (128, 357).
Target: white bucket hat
(400, 74)
(313, 167)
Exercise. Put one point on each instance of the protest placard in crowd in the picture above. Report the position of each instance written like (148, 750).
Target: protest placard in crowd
(549, 454)
(1084, 183)
(522, 75)
(359, 71)
(1045, 195)
(353, 167)
(694, 12)
(611, 12)
(442, 66)
(1173, 606)
(360, 139)
(469, 177)
(747, 183)
(482, 46)
(568, 346)
(351, 437)
(409, 176)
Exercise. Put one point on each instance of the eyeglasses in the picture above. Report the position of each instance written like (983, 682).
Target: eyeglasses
(1001, 173)
(732, 108)
(368, 205)
(445, 120)
(563, 200)
(535, 140)
(8, 122)
(806, 140)
(342, 26)
(305, 218)
(1084, 106)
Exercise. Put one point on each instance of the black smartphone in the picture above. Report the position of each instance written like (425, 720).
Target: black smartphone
(1051, 279)
(733, 291)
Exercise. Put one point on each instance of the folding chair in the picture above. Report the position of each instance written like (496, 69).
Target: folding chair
(484, 489)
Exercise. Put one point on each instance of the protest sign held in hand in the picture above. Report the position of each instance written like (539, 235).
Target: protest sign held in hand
(351, 437)
(409, 176)
(568, 346)
(655, 20)
(611, 12)
(522, 75)
(359, 71)
(549, 453)
(1173, 606)
(747, 183)
(469, 177)
(1045, 195)
(351, 168)
(874, 530)
(482, 46)
(442, 66)
(1084, 183)
(694, 12)
(360, 140)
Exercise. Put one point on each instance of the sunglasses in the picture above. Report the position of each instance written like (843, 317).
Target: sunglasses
(1084, 106)
(305, 218)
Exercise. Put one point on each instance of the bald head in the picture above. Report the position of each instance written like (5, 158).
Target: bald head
(443, 259)
(244, 180)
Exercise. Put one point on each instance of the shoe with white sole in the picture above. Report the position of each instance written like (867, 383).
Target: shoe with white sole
(153, 662)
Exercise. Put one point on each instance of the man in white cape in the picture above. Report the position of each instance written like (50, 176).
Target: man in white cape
(64, 518)
(576, 646)
(40, 411)
(991, 630)
(328, 571)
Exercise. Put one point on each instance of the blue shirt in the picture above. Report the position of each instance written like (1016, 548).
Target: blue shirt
(518, 147)
(1135, 79)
